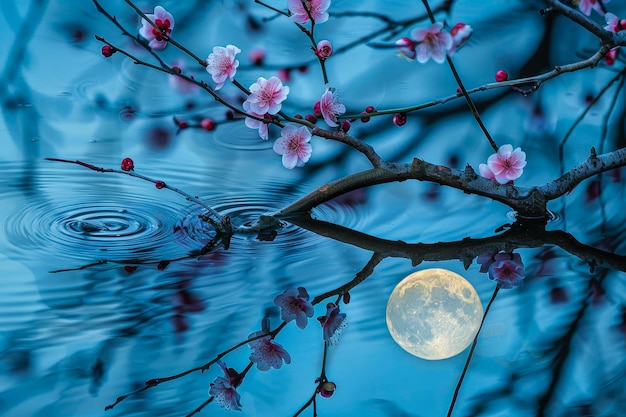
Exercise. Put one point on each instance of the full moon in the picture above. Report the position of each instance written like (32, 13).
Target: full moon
(434, 314)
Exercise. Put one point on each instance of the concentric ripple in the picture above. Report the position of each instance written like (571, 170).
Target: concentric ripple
(92, 229)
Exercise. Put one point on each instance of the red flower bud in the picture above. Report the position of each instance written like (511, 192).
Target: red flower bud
(501, 75)
(159, 184)
(317, 109)
(128, 164)
(399, 119)
(345, 125)
(107, 51)
(310, 118)
(208, 124)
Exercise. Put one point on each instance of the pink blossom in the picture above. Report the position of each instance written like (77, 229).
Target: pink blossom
(487, 260)
(155, 37)
(330, 107)
(585, 6)
(332, 323)
(611, 56)
(266, 353)
(507, 270)
(507, 164)
(266, 95)
(224, 389)
(255, 123)
(460, 34)
(293, 144)
(614, 23)
(221, 64)
(315, 8)
(433, 43)
(294, 304)
(406, 47)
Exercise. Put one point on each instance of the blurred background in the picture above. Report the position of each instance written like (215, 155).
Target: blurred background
(103, 280)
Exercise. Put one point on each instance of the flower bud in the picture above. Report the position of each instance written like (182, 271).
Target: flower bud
(399, 119)
(107, 51)
(406, 47)
(327, 389)
(501, 75)
(159, 184)
(128, 164)
(324, 49)
(208, 124)
(345, 125)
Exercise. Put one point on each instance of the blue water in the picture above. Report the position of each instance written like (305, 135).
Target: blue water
(104, 282)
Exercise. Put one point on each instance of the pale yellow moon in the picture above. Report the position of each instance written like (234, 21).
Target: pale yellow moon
(434, 314)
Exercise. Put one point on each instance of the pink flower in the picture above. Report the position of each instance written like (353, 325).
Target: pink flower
(330, 107)
(293, 144)
(155, 37)
(460, 34)
(315, 8)
(332, 323)
(507, 270)
(507, 164)
(614, 23)
(433, 43)
(221, 64)
(254, 123)
(585, 6)
(486, 261)
(266, 96)
(266, 353)
(224, 389)
(294, 304)
(406, 47)
(486, 172)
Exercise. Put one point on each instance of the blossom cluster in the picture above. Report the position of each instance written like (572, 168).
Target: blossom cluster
(266, 353)
(434, 42)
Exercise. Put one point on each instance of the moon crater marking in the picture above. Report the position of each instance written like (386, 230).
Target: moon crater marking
(434, 314)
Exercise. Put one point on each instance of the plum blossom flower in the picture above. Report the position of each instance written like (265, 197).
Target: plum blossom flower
(294, 304)
(155, 37)
(221, 64)
(332, 323)
(266, 353)
(330, 107)
(460, 33)
(266, 95)
(507, 164)
(433, 43)
(293, 144)
(585, 6)
(254, 123)
(507, 269)
(315, 8)
(406, 48)
(224, 389)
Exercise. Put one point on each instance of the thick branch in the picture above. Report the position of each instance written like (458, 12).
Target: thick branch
(594, 165)
(527, 202)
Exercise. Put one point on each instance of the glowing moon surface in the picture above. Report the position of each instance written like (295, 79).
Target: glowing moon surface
(434, 314)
